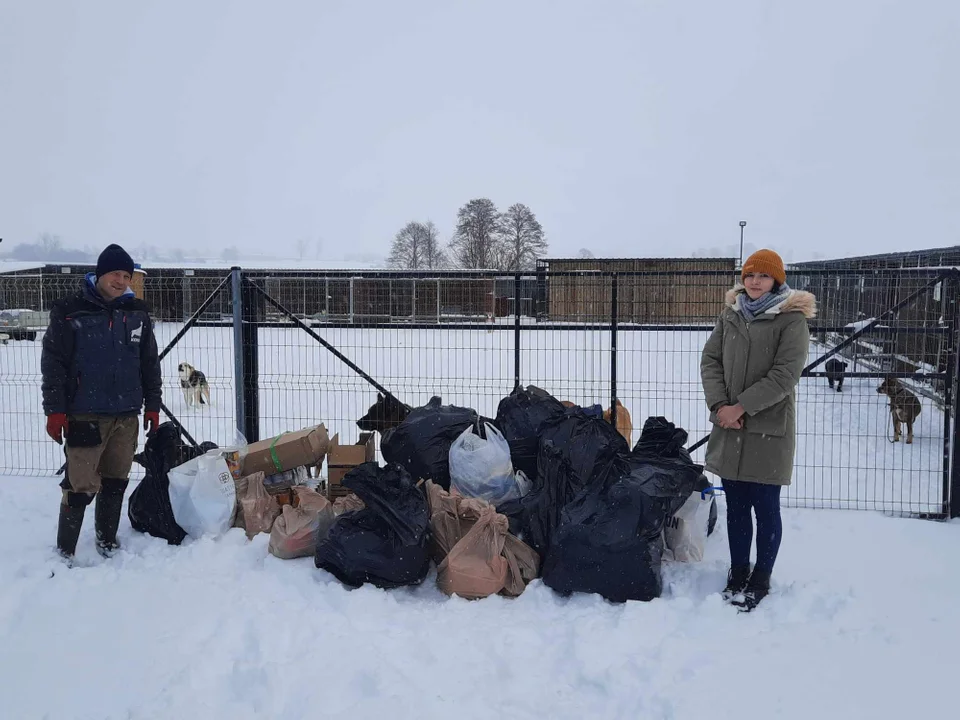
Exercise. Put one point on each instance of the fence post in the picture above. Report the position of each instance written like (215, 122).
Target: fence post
(236, 281)
(951, 485)
(614, 314)
(249, 383)
(516, 331)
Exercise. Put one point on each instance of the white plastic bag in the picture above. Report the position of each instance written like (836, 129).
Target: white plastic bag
(685, 534)
(203, 495)
(482, 468)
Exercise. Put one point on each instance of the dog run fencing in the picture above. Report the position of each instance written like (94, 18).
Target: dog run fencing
(284, 349)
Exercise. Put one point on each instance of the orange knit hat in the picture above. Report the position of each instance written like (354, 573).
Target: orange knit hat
(765, 261)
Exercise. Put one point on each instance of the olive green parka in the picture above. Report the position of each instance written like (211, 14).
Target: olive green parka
(758, 365)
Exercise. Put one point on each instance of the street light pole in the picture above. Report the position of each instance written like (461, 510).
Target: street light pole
(743, 224)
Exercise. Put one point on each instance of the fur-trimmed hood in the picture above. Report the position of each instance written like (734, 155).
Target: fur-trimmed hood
(796, 301)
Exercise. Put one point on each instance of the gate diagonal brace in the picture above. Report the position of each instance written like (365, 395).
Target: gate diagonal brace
(866, 328)
(316, 336)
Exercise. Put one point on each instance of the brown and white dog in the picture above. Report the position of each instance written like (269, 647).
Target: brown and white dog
(904, 406)
(193, 383)
(624, 422)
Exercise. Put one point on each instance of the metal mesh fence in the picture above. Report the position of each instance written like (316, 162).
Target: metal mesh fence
(584, 336)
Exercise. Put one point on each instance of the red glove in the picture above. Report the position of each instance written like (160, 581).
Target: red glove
(151, 419)
(57, 426)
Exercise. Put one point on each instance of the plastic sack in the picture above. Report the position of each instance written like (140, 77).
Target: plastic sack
(259, 509)
(296, 532)
(149, 507)
(475, 567)
(202, 495)
(588, 442)
(385, 543)
(523, 565)
(520, 417)
(234, 454)
(685, 533)
(535, 517)
(451, 517)
(610, 537)
(482, 468)
(347, 503)
(421, 443)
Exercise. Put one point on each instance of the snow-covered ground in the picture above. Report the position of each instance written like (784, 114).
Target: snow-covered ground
(862, 624)
(844, 457)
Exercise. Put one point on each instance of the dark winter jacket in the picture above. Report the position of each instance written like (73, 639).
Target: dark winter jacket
(100, 357)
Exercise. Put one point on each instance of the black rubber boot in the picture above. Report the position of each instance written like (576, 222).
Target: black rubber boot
(68, 530)
(107, 515)
(737, 579)
(757, 589)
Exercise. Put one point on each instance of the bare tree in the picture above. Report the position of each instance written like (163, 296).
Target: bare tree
(477, 242)
(230, 254)
(522, 240)
(436, 257)
(417, 247)
(585, 254)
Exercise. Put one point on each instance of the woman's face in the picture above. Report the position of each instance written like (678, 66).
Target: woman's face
(757, 284)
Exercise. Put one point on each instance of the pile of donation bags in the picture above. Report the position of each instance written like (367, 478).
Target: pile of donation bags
(542, 490)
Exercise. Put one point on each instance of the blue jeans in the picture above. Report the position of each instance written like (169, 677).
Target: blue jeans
(764, 500)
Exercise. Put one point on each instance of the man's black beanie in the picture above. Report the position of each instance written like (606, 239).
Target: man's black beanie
(113, 258)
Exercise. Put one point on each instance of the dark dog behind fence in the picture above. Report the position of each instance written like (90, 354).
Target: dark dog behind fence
(471, 337)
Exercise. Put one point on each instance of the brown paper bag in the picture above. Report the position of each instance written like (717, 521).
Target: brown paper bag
(259, 508)
(296, 531)
(475, 567)
(240, 485)
(347, 503)
(451, 517)
(523, 565)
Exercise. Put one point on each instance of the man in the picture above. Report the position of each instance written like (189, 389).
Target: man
(99, 366)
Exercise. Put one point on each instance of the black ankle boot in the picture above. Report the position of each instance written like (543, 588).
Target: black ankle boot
(68, 530)
(758, 587)
(737, 579)
(107, 515)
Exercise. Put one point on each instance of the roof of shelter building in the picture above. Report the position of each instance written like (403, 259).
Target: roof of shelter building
(9, 266)
(942, 257)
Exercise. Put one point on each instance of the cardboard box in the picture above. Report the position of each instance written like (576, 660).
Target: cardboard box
(341, 459)
(289, 450)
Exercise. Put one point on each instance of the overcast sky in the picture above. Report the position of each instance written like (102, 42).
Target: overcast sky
(631, 129)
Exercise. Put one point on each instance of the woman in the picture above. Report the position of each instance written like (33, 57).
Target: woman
(749, 369)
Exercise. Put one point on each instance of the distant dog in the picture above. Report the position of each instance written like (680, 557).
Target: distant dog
(834, 369)
(193, 383)
(904, 407)
(624, 422)
(386, 413)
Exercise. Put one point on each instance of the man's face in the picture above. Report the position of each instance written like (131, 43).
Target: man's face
(113, 284)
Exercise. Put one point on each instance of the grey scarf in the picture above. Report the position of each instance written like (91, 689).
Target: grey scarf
(751, 308)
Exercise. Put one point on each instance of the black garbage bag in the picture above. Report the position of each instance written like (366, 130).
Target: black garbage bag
(149, 505)
(662, 438)
(609, 540)
(535, 517)
(386, 542)
(520, 417)
(587, 441)
(421, 443)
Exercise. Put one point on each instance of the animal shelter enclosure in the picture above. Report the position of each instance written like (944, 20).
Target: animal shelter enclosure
(281, 350)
